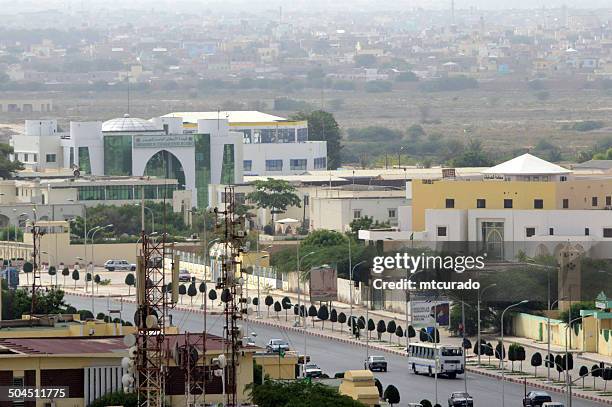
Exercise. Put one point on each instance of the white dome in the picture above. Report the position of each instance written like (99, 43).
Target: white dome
(128, 124)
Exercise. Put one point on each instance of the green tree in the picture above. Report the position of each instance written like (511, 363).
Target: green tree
(391, 328)
(312, 313)
(212, 296)
(8, 168)
(52, 271)
(322, 126)
(268, 301)
(182, 291)
(192, 291)
(323, 315)
(202, 290)
(299, 393)
(341, 320)
(117, 399)
(473, 156)
(130, 281)
(65, 273)
(391, 395)
(274, 194)
(75, 276)
(536, 361)
(277, 308)
(97, 280)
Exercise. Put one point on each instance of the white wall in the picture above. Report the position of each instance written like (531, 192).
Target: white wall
(258, 153)
(88, 134)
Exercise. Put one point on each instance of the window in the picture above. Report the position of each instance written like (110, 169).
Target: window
(607, 232)
(508, 203)
(320, 163)
(450, 203)
(50, 158)
(530, 232)
(306, 200)
(565, 203)
(594, 201)
(35, 158)
(587, 231)
(247, 136)
(356, 213)
(274, 165)
(392, 213)
(441, 231)
(481, 203)
(609, 201)
(247, 165)
(26, 157)
(563, 178)
(297, 164)
(302, 134)
(551, 231)
(538, 204)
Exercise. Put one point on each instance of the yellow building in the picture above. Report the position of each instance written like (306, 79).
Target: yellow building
(90, 367)
(359, 385)
(276, 367)
(523, 183)
(60, 326)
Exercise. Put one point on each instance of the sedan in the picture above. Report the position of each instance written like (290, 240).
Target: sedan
(460, 399)
(536, 399)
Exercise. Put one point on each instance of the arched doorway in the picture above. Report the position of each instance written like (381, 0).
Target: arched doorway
(164, 164)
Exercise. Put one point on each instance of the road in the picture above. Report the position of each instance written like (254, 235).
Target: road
(334, 357)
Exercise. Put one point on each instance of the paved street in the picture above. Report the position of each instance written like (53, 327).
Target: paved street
(334, 357)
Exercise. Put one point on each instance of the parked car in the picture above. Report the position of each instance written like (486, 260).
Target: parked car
(553, 404)
(415, 405)
(460, 399)
(276, 345)
(376, 363)
(536, 399)
(248, 341)
(312, 370)
(184, 275)
(112, 265)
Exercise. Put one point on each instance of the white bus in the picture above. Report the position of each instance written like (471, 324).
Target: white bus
(422, 359)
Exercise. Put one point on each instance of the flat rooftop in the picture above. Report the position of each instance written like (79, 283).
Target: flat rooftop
(95, 345)
(233, 116)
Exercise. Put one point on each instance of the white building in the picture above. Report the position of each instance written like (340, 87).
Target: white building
(272, 145)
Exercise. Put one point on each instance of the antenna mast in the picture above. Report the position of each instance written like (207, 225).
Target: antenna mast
(37, 234)
(231, 284)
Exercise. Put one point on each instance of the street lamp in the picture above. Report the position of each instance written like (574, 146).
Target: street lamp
(152, 216)
(51, 257)
(503, 351)
(299, 260)
(567, 380)
(97, 229)
(351, 287)
(207, 259)
(265, 256)
(84, 223)
(480, 294)
(409, 298)
(550, 306)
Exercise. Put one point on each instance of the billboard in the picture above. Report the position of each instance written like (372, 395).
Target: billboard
(424, 309)
(323, 284)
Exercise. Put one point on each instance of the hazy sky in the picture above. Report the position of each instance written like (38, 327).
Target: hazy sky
(183, 5)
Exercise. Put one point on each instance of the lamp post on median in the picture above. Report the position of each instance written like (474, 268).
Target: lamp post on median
(567, 377)
(258, 273)
(51, 257)
(299, 261)
(97, 229)
(146, 208)
(84, 223)
(480, 294)
(352, 287)
(550, 306)
(503, 351)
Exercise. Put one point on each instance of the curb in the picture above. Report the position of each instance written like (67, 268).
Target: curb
(469, 369)
(541, 386)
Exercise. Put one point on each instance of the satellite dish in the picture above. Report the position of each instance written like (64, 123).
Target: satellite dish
(151, 322)
(218, 372)
(129, 340)
(222, 361)
(132, 352)
(125, 362)
(127, 380)
(249, 311)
